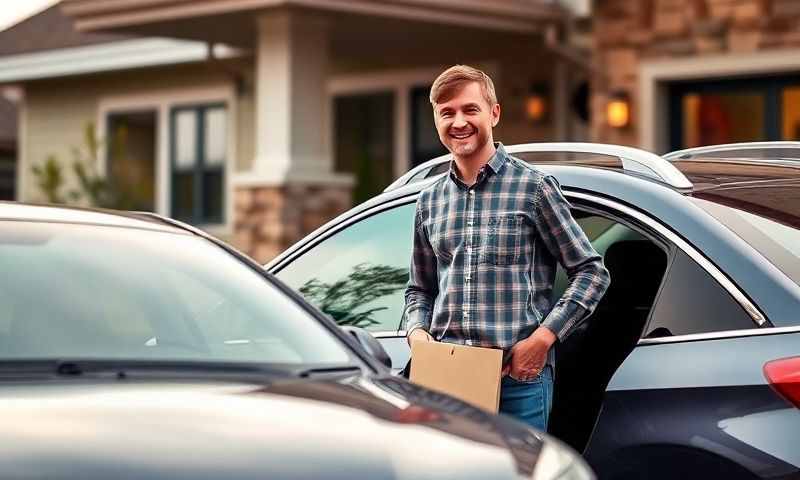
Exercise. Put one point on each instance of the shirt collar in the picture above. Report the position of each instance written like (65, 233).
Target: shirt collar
(495, 163)
(499, 158)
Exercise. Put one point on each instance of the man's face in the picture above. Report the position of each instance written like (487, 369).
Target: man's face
(465, 121)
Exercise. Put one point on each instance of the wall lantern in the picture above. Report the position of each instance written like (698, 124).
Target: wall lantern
(536, 103)
(618, 110)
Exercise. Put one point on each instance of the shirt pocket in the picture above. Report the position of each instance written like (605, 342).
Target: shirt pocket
(502, 236)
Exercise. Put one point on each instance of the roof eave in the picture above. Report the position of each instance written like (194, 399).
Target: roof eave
(521, 16)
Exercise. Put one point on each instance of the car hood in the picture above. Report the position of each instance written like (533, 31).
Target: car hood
(348, 428)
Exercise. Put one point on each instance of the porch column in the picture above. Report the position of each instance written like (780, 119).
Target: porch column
(292, 187)
(292, 128)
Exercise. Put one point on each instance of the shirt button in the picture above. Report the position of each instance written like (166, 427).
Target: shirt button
(472, 192)
(469, 249)
(469, 223)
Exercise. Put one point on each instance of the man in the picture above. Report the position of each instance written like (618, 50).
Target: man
(486, 241)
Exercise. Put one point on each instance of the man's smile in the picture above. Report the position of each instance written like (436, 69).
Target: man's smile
(462, 135)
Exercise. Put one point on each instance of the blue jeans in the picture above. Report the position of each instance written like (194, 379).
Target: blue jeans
(529, 402)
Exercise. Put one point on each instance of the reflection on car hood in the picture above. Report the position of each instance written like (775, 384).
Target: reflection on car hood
(352, 428)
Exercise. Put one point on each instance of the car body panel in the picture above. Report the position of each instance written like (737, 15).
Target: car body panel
(351, 427)
(710, 394)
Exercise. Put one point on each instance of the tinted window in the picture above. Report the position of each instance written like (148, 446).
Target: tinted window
(691, 301)
(77, 291)
(358, 275)
(774, 232)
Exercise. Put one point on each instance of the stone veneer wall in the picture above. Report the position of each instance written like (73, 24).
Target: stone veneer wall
(270, 219)
(627, 31)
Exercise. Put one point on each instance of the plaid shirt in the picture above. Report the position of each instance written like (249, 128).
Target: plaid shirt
(484, 258)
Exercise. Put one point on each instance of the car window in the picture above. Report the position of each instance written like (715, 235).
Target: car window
(692, 301)
(772, 226)
(602, 232)
(97, 292)
(358, 275)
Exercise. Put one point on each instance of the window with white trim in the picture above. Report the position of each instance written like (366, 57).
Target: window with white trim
(198, 154)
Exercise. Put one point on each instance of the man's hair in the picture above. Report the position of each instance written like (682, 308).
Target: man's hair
(454, 78)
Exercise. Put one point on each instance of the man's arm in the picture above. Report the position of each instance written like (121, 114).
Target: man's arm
(566, 241)
(422, 285)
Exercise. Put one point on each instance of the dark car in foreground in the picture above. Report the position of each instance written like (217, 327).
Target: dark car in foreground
(132, 346)
(690, 365)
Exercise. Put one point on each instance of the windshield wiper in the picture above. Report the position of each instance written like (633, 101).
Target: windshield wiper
(333, 370)
(121, 369)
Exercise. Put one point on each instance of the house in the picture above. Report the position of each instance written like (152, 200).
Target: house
(260, 120)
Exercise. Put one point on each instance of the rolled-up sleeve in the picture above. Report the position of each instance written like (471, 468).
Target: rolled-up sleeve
(566, 241)
(422, 285)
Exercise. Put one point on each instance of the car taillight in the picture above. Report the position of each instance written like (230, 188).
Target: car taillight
(784, 377)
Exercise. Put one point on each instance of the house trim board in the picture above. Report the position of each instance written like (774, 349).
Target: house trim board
(107, 57)
(519, 16)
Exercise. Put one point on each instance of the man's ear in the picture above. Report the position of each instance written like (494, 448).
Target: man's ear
(495, 114)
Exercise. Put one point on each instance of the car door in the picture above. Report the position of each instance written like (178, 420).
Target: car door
(356, 272)
(691, 399)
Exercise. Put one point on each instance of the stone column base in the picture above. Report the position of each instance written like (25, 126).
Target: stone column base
(269, 219)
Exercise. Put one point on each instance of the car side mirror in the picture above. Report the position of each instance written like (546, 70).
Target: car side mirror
(369, 343)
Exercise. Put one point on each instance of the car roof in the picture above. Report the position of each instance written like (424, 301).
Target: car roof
(599, 155)
(17, 211)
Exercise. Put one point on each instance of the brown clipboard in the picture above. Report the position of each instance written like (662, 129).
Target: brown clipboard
(471, 374)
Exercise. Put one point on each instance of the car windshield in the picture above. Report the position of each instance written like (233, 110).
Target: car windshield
(102, 292)
(774, 232)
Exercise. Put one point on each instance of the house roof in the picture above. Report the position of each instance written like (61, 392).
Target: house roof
(48, 30)
(168, 17)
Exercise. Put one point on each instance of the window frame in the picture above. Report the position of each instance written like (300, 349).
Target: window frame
(162, 100)
(200, 168)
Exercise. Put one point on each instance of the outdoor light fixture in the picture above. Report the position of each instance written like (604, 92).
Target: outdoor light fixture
(618, 110)
(536, 103)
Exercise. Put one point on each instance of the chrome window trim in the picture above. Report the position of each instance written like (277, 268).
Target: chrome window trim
(694, 337)
(633, 160)
(389, 334)
(753, 332)
(725, 147)
(758, 317)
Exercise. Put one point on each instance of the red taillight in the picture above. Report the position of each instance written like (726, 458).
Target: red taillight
(784, 377)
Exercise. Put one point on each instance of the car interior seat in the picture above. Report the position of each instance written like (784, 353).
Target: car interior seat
(587, 359)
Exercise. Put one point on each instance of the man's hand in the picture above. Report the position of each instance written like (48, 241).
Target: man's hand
(529, 356)
(419, 335)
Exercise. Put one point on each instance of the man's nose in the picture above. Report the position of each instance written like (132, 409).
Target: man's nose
(459, 121)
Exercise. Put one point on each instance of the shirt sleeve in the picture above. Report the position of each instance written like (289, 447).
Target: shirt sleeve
(566, 241)
(422, 285)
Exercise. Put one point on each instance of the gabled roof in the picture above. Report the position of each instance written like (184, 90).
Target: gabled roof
(48, 30)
